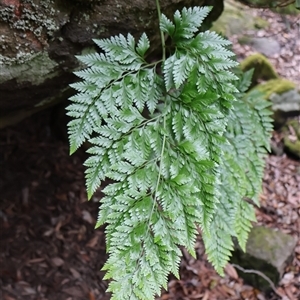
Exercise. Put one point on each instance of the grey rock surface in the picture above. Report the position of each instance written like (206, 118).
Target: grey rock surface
(266, 46)
(267, 251)
(39, 40)
(286, 102)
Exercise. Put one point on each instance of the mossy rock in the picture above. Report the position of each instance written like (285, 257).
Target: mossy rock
(275, 86)
(284, 96)
(287, 10)
(263, 69)
(267, 251)
(292, 142)
(236, 19)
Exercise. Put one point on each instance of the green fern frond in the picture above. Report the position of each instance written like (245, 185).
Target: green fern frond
(181, 145)
(241, 169)
(187, 22)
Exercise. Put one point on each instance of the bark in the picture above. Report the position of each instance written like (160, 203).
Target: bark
(40, 38)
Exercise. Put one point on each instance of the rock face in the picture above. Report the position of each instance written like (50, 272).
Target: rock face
(287, 102)
(291, 139)
(267, 251)
(284, 96)
(236, 19)
(39, 39)
(266, 46)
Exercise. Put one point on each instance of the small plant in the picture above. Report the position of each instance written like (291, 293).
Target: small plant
(181, 143)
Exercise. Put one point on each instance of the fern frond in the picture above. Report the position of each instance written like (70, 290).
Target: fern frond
(143, 45)
(181, 145)
(242, 164)
(186, 22)
(123, 50)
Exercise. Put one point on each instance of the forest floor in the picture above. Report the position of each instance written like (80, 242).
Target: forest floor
(49, 249)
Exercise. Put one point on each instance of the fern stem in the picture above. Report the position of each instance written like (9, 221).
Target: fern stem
(160, 169)
(163, 44)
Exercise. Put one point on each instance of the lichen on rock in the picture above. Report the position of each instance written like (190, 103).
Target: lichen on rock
(40, 38)
(36, 69)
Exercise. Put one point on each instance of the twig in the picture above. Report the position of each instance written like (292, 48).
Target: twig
(261, 275)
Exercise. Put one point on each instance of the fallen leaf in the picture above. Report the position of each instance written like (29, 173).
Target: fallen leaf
(75, 273)
(75, 292)
(62, 197)
(206, 295)
(29, 291)
(92, 296)
(86, 216)
(230, 271)
(35, 260)
(93, 242)
(7, 297)
(57, 261)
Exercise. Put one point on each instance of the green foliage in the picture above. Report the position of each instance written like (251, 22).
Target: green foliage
(179, 149)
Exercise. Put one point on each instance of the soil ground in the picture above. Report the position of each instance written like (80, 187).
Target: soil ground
(49, 249)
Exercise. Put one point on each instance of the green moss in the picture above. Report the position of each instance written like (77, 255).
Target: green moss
(267, 251)
(244, 40)
(263, 69)
(296, 125)
(275, 86)
(287, 10)
(292, 146)
(261, 23)
(236, 19)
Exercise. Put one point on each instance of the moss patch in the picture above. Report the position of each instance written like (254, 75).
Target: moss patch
(263, 69)
(287, 10)
(275, 86)
(267, 251)
(292, 141)
(235, 19)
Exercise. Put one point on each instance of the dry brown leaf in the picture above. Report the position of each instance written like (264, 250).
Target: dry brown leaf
(93, 242)
(75, 273)
(57, 261)
(62, 196)
(7, 297)
(227, 290)
(28, 291)
(230, 271)
(35, 260)
(75, 292)
(92, 296)
(86, 216)
(290, 294)
(206, 295)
